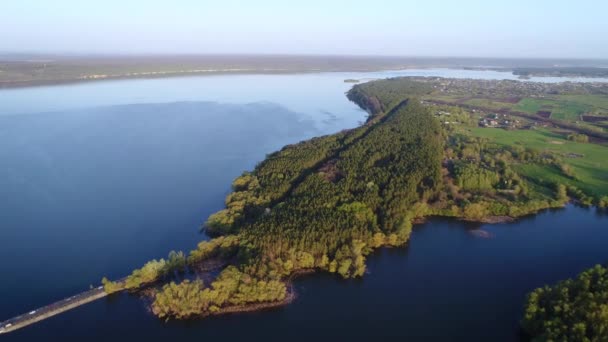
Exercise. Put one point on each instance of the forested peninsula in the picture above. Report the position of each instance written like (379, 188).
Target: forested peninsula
(326, 203)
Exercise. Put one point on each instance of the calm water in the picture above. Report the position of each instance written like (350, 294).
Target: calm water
(98, 178)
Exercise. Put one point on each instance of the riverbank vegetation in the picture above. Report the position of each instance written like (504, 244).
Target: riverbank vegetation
(572, 310)
(326, 203)
(231, 288)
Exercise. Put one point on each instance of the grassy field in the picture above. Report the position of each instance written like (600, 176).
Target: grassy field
(489, 103)
(443, 97)
(599, 101)
(560, 109)
(566, 107)
(589, 161)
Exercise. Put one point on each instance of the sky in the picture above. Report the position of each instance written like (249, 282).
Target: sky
(469, 28)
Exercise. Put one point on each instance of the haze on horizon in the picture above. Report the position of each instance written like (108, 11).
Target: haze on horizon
(468, 28)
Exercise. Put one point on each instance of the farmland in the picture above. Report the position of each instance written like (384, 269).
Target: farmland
(562, 109)
(582, 108)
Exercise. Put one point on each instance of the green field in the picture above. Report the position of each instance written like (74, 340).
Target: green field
(444, 97)
(560, 109)
(489, 103)
(566, 107)
(590, 167)
(599, 101)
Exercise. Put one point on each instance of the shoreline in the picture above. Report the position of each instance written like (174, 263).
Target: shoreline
(485, 220)
(86, 297)
(292, 293)
(290, 297)
(9, 85)
(151, 75)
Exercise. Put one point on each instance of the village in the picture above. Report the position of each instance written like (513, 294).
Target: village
(499, 121)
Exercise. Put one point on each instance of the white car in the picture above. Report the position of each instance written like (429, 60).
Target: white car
(32, 312)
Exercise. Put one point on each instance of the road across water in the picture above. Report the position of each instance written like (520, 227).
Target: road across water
(51, 310)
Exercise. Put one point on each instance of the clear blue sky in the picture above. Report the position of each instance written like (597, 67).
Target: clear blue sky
(515, 28)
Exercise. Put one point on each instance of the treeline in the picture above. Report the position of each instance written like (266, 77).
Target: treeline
(582, 130)
(572, 310)
(379, 96)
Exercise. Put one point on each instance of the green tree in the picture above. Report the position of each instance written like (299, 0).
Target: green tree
(571, 310)
(110, 286)
(475, 211)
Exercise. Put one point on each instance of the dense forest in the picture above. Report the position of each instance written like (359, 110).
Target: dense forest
(326, 203)
(572, 310)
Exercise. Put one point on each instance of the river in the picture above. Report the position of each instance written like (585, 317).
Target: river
(98, 178)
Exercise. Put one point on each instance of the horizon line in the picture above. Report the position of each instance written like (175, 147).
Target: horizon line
(265, 54)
